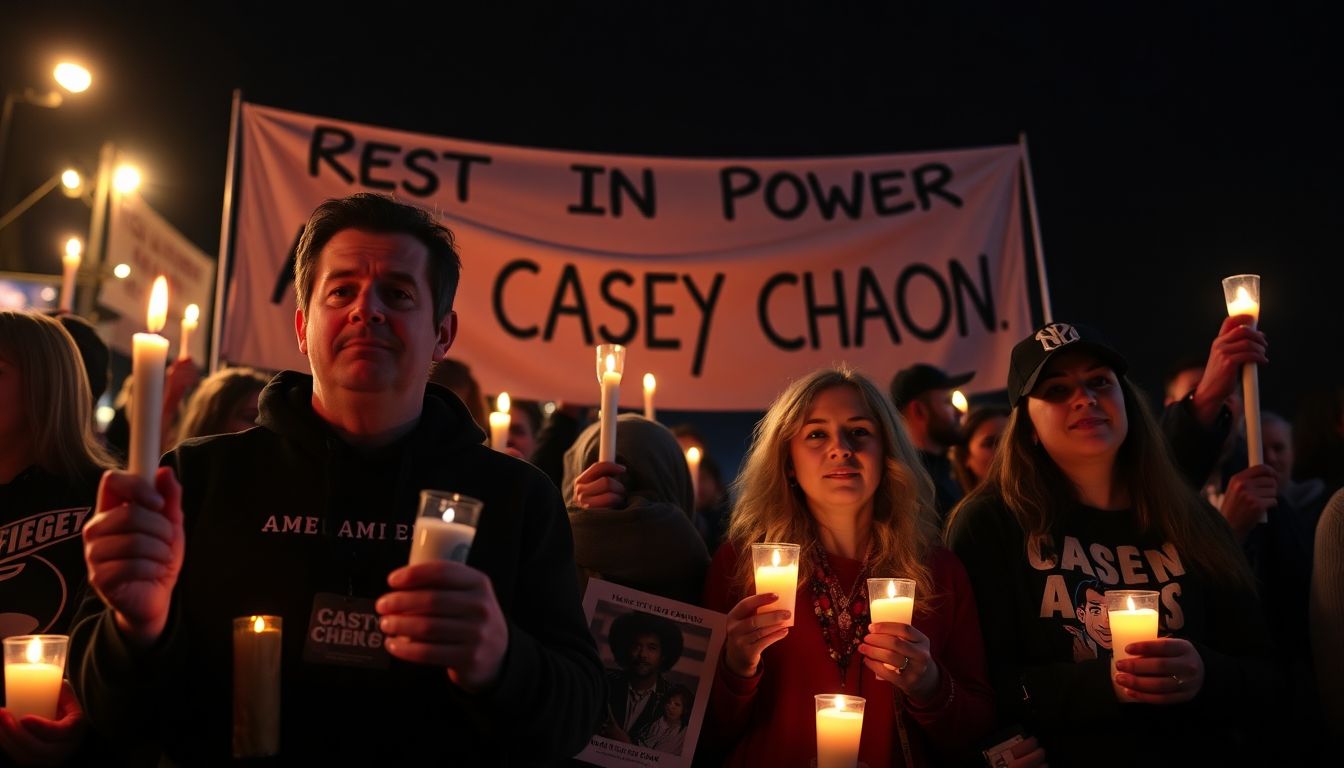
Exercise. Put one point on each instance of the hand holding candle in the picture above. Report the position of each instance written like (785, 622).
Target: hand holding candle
(149, 356)
(69, 269)
(191, 318)
(500, 422)
(839, 728)
(610, 366)
(256, 686)
(34, 667)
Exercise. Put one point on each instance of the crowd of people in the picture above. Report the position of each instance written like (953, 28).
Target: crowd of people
(293, 495)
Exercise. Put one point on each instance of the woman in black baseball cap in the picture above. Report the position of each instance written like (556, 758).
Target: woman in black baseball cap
(1082, 487)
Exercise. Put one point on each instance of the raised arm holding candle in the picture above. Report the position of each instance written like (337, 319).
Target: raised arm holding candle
(1243, 298)
(610, 366)
(1082, 497)
(310, 517)
(817, 475)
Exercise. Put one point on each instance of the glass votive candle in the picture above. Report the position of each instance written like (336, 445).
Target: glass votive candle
(1132, 614)
(891, 600)
(34, 668)
(839, 726)
(777, 571)
(445, 527)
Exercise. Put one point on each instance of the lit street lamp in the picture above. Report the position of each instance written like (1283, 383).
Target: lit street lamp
(71, 77)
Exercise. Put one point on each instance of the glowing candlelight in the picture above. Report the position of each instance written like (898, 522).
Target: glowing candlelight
(610, 366)
(1242, 294)
(69, 268)
(777, 571)
(650, 384)
(959, 401)
(149, 356)
(693, 464)
(191, 318)
(500, 422)
(256, 685)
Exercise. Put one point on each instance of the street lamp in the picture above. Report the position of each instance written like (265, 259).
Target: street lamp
(121, 178)
(72, 77)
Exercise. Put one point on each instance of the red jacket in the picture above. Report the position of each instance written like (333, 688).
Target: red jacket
(770, 719)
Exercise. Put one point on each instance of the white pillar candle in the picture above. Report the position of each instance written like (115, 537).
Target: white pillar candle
(69, 269)
(1242, 293)
(693, 464)
(776, 567)
(191, 318)
(611, 395)
(34, 666)
(256, 686)
(500, 422)
(839, 730)
(650, 384)
(149, 357)
(445, 527)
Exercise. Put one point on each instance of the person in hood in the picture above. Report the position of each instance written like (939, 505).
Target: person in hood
(308, 517)
(631, 517)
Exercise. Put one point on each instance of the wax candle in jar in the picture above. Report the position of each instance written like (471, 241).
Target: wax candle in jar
(776, 568)
(891, 600)
(839, 729)
(256, 686)
(34, 667)
(1133, 618)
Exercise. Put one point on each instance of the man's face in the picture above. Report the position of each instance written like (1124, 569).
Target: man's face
(1092, 613)
(1278, 443)
(521, 436)
(944, 418)
(646, 655)
(369, 325)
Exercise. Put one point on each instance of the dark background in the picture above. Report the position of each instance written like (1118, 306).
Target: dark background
(1170, 147)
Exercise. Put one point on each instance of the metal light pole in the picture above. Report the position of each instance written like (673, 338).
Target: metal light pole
(102, 192)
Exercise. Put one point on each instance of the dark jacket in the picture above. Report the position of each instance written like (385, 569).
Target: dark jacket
(286, 512)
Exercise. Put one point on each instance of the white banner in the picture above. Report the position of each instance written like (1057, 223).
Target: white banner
(725, 278)
(140, 238)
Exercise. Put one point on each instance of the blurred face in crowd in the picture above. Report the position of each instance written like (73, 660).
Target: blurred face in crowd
(944, 420)
(1077, 409)
(369, 325)
(1184, 383)
(244, 413)
(981, 444)
(1278, 446)
(837, 454)
(522, 437)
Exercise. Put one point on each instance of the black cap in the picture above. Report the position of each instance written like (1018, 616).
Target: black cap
(1032, 353)
(920, 378)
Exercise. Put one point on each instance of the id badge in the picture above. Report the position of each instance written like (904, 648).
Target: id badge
(343, 631)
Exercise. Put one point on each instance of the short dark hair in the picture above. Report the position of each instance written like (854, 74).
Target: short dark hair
(380, 214)
(92, 350)
(628, 626)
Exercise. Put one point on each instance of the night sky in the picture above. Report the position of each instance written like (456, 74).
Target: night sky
(1169, 149)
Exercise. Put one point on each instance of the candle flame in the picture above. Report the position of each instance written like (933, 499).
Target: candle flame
(73, 248)
(839, 702)
(259, 625)
(158, 305)
(1130, 601)
(449, 515)
(649, 382)
(610, 362)
(891, 589)
(502, 402)
(34, 651)
(959, 401)
(693, 455)
(774, 558)
(192, 314)
(1242, 296)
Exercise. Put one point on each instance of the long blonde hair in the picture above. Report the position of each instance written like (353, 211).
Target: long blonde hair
(770, 508)
(215, 399)
(1038, 493)
(56, 395)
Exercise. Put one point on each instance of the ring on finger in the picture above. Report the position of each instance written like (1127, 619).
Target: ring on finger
(1179, 682)
(904, 664)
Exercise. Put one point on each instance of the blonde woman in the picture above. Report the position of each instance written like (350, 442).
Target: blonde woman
(832, 469)
(50, 464)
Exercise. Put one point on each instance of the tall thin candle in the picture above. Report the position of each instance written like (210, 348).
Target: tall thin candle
(149, 358)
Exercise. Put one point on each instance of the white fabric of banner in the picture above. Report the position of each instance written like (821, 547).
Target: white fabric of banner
(725, 278)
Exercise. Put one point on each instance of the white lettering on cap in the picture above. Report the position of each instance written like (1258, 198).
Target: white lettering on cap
(1056, 335)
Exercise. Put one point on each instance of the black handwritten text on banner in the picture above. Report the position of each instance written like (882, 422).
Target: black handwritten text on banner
(725, 278)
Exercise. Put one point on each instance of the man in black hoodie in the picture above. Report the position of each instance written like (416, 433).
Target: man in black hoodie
(309, 517)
